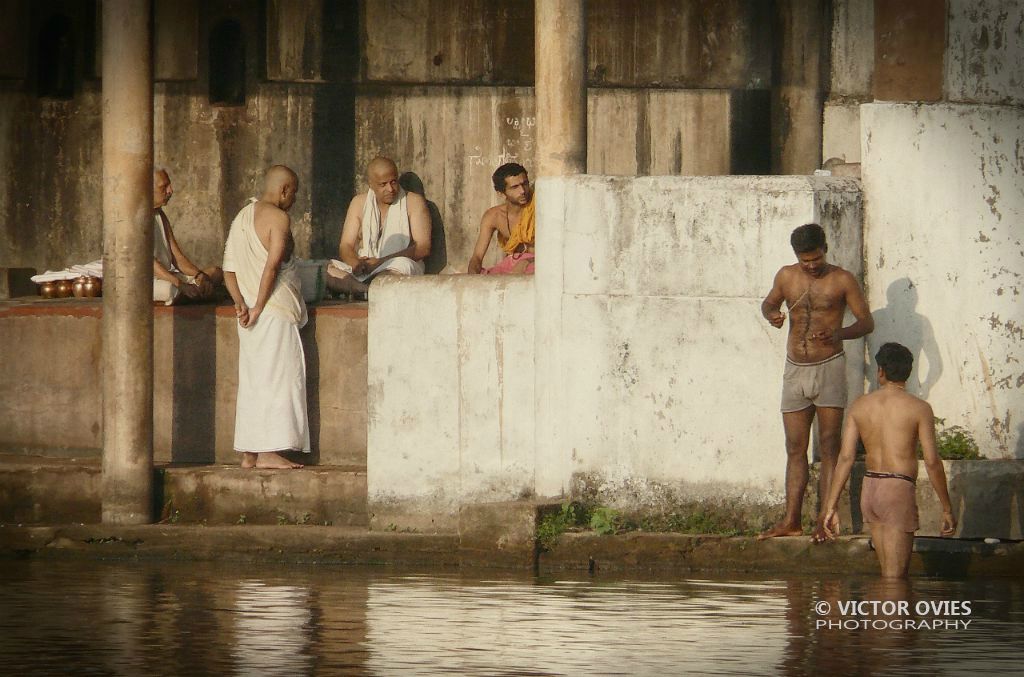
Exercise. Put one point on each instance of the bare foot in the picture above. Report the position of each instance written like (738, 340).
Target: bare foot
(341, 282)
(249, 459)
(819, 535)
(271, 459)
(781, 529)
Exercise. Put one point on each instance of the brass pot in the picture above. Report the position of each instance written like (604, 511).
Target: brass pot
(93, 287)
(78, 287)
(64, 289)
(48, 290)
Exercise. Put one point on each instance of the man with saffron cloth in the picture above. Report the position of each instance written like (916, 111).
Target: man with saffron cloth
(514, 222)
(260, 274)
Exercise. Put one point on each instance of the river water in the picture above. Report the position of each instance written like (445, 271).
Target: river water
(178, 618)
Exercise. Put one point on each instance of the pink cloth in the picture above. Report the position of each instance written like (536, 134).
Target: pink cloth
(508, 264)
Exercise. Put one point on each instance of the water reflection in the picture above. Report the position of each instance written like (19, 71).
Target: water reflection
(189, 618)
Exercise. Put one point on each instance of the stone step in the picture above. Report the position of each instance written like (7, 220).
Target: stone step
(39, 490)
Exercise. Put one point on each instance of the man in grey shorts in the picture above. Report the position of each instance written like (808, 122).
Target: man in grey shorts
(817, 294)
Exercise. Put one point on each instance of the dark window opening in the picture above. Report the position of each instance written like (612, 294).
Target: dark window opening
(227, 64)
(56, 59)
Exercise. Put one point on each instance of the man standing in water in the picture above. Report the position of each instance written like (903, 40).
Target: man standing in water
(814, 383)
(891, 422)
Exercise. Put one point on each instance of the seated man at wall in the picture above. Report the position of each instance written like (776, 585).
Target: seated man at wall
(891, 422)
(386, 232)
(260, 274)
(514, 222)
(814, 382)
(175, 277)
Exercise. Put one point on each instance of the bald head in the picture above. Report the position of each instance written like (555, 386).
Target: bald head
(162, 190)
(382, 177)
(279, 186)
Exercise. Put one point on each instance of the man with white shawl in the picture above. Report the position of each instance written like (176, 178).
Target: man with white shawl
(386, 232)
(260, 274)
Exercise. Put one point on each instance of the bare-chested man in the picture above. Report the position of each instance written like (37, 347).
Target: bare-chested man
(175, 277)
(891, 422)
(260, 274)
(513, 222)
(814, 383)
(386, 232)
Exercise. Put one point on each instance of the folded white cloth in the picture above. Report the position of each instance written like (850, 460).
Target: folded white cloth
(93, 268)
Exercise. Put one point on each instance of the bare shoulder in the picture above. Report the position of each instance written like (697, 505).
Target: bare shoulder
(357, 203)
(276, 217)
(845, 278)
(491, 216)
(414, 199)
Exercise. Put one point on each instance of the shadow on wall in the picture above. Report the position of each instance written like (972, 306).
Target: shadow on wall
(312, 352)
(438, 258)
(194, 370)
(899, 321)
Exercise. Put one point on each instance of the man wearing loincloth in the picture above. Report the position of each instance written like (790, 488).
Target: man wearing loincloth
(386, 232)
(514, 222)
(891, 423)
(817, 294)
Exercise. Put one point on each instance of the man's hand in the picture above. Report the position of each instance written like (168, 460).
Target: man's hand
(242, 313)
(251, 317)
(366, 265)
(828, 337)
(831, 524)
(948, 524)
(188, 290)
(204, 284)
(776, 318)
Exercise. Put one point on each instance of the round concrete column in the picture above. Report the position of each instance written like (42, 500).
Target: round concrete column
(127, 263)
(561, 87)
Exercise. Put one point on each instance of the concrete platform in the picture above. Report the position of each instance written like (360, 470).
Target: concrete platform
(39, 490)
(628, 554)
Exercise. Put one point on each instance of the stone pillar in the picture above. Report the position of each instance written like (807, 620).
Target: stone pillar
(127, 263)
(561, 86)
(801, 61)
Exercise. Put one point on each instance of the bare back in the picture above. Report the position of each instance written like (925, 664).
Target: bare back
(266, 219)
(891, 422)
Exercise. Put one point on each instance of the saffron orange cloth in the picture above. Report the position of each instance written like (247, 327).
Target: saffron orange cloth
(524, 231)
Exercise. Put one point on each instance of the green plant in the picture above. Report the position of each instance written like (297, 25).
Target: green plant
(282, 518)
(954, 442)
(241, 519)
(605, 521)
(554, 524)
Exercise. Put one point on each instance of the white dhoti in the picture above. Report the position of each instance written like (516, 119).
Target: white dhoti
(270, 413)
(380, 238)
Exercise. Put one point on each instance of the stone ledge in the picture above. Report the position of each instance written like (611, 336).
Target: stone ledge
(777, 556)
(54, 491)
(306, 544)
(633, 554)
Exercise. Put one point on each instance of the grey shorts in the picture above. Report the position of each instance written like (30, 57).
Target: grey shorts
(822, 384)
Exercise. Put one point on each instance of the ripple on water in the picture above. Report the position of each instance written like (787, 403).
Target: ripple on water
(197, 618)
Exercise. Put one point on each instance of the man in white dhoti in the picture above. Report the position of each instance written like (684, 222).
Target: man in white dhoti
(386, 232)
(260, 274)
(175, 277)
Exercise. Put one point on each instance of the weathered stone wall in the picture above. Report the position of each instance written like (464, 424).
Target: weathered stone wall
(945, 263)
(50, 396)
(660, 377)
(676, 88)
(451, 397)
(962, 51)
(637, 357)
